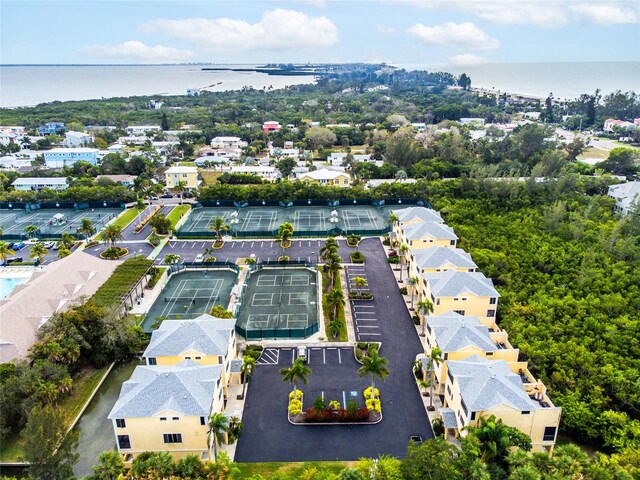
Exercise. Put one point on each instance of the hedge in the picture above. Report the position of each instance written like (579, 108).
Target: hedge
(122, 280)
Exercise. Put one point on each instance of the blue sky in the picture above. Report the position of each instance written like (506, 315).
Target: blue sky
(432, 32)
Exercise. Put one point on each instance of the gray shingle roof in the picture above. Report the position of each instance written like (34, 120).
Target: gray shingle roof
(236, 365)
(205, 334)
(420, 213)
(186, 388)
(452, 283)
(454, 332)
(485, 384)
(416, 231)
(449, 418)
(438, 256)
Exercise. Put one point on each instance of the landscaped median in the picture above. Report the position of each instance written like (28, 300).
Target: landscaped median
(176, 215)
(333, 412)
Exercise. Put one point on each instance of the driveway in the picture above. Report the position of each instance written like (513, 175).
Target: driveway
(129, 231)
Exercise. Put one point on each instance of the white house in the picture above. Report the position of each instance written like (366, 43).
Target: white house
(142, 129)
(77, 139)
(61, 157)
(610, 123)
(284, 152)
(228, 142)
(7, 138)
(266, 172)
(136, 140)
(337, 158)
(10, 162)
(12, 129)
(214, 160)
(421, 127)
(627, 196)
(472, 121)
(38, 183)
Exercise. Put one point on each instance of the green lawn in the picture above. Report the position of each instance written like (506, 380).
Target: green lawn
(122, 221)
(292, 469)
(177, 213)
(210, 176)
(187, 164)
(83, 385)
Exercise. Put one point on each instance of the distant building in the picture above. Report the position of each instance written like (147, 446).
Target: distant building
(337, 158)
(7, 138)
(472, 120)
(10, 162)
(265, 172)
(284, 152)
(271, 126)
(39, 183)
(66, 157)
(124, 180)
(325, 176)
(421, 127)
(228, 142)
(51, 128)
(188, 175)
(626, 195)
(19, 130)
(77, 139)
(142, 129)
(155, 104)
(193, 92)
(531, 115)
(610, 123)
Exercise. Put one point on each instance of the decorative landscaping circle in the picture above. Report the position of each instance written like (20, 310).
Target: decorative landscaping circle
(216, 245)
(114, 253)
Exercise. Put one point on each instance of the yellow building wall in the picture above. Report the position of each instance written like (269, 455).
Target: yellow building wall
(191, 179)
(473, 305)
(428, 242)
(341, 181)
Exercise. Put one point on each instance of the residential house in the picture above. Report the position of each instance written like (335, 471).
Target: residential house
(337, 159)
(39, 183)
(477, 388)
(417, 215)
(166, 409)
(611, 123)
(124, 180)
(10, 162)
(142, 129)
(15, 129)
(271, 126)
(51, 128)
(213, 160)
(436, 259)
(228, 142)
(327, 177)
(466, 293)
(472, 121)
(7, 138)
(419, 235)
(284, 152)
(193, 92)
(420, 127)
(459, 337)
(187, 175)
(66, 157)
(77, 139)
(265, 171)
(626, 195)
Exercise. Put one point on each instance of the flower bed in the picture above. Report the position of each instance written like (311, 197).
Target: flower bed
(360, 295)
(353, 240)
(357, 257)
(362, 349)
(332, 412)
(113, 253)
(217, 244)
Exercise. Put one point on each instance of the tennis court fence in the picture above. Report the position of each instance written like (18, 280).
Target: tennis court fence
(203, 265)
(276, 333)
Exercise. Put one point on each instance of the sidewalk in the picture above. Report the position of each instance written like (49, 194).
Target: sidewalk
(234, 408)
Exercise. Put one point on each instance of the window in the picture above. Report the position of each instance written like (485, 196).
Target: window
(187, 358)
(163, 419)
(473, 415)
(491, 313)
(464, 406)
(464, 299)
(175, 418)
(461, 312)
(549, 434)
(492, 301)
(124, 442)
(489, 354)
(452, 242)
(526, 412)
(202, 421)
(438, 302)
(455, 299)
(172, 437)
(152, 361)
(449, 391)
(184, 175)
(120, 423)
(198, 358)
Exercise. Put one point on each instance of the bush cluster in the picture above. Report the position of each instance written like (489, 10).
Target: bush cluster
(329, 415)
(360, 295)
(357, 257)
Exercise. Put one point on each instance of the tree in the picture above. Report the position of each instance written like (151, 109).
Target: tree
(330, 247)
(112, 234)
(393, 219)
(297, 372)
(400, 175)
(110, 466)
(374, 365)
(49, 449)
(335, 300)
(38, 251)
(403, 250)
(360, 282)
(164, 122)
(285, 232)
(248, 366)
(435, 359)
(425, 307)
(286, 166)
(218, 428)
(219, 226)
(333, 265)
(86, 228)
(621, 161)
(413, 283)
(67, 240)
(320, 137)
(434, 459)
(334, 327)
(189, 467)
(5, 252)
(160, 223)
(548, 115)
(180, 187)
(575, 148)
(31, 230)
(464, 81)
(171, 258)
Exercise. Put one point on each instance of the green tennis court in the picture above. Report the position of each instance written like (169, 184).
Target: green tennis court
(189, 294)
(54, 221)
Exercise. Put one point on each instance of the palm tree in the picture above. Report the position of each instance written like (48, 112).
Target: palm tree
(335, 299)
(248, 365)
(38, 251)
(333, 266)
(403, 252)
(1, 231)
(360, 282)
(112, 234)
(393, 219)
(425, 307)
(435, 359)
(297, 371)
(31, 230)
(67, 240)
(87, 228)
(424, 384)
(180, 187)
(219, 226)
(171, 258)
(374, 365)
(334, 327)
(330, 247)
(5, 251)
(209, 253)
(218, 427)
(140, 206)
(285, 232)
(413, 282)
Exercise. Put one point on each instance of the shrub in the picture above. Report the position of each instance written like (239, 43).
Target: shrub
(219, 311)
(393, 260)
(373, 404)
(357, 257)
(360, 295)
(367, 393)
(362, 345)
(334, 404)
(297, 394)
(403, 290)
(295, 407)
(154, 240)
(353, 240)
(254, 351)
(319, 403)
(352, 406)
(416, 319)
(283, 258)
(386, 241)
(249, 261)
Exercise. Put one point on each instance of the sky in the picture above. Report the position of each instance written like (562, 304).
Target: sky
(401, 32)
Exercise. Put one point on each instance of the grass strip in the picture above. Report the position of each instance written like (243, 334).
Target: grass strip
(177, 213)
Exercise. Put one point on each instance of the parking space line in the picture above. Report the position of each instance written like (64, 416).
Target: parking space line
(233, 244)
(194, 245)
(366, 320)
(339, 357)
(370, 334)
(366, 326)
(261, 244)
(324, 356)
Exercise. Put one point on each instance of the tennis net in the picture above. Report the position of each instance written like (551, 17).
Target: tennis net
(192, 299)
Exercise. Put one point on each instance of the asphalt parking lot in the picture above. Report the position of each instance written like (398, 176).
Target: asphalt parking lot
(268, 435)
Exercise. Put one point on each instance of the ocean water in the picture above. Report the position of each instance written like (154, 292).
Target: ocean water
(30, 85)
(8, 284)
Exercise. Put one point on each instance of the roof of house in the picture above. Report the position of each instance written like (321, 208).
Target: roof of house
(118, 178)
(423, 214)
(417, 231)
(436, 257)
(205, 334)
(627, 193)
(181, 169)
(454, 332)
(71, 150)
(76, 134)
(448, 417)
(486, 384)
(40, 181)
(452, 283)
(185, 389)
(323, 174)
(49, 290)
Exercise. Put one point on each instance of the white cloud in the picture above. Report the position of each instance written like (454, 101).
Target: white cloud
(606, 14)
(278, 29)
(315, 3)
(138, 51)
(451, 34)
(466, 59)
(384, 29)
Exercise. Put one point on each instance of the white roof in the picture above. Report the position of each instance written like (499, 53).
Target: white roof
(40, 181)
(72, 150)
(452, 283)
(76, 134)
(252, 169)
(323, 174)
(182, 169)
(226, 139)
(625, 193)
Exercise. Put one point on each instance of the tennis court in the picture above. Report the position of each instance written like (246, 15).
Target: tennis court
(54, 221)
(278, 301)
(189, 294)
(202, 219)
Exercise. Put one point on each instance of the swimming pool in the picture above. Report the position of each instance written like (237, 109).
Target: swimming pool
(8, 284)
